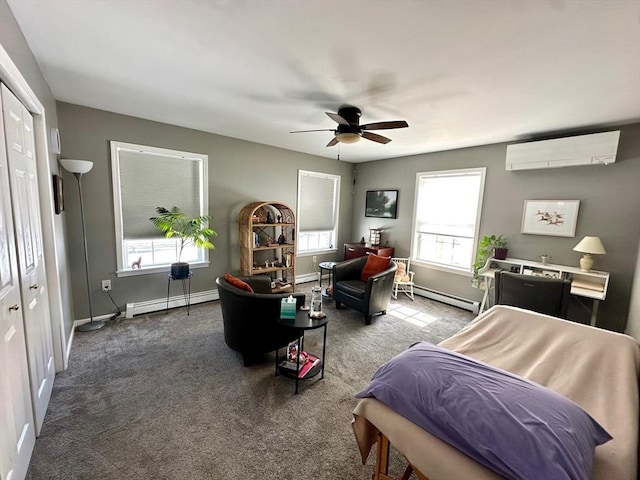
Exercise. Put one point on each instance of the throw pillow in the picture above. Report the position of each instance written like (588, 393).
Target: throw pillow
(515, 427)
(236, 282)
(375, 264)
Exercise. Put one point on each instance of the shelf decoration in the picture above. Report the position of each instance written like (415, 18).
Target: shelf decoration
(267, 243)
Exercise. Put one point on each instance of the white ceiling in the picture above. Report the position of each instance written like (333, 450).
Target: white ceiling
(460, 72)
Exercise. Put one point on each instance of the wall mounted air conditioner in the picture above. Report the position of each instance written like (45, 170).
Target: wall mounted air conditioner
(593, 149)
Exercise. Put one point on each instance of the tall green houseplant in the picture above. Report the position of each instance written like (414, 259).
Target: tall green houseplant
(486, 249)
(190, 230)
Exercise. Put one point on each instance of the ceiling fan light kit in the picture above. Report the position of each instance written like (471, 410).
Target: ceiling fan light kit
(349, 129)
(348, 137)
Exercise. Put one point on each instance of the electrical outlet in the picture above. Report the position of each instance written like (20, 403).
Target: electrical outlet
(315, 259)
(106, 285)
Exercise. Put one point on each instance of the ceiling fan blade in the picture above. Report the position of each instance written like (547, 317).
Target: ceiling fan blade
(323, 130)
(333, 141)
(337, 118)
(385, 125)
(375, 137)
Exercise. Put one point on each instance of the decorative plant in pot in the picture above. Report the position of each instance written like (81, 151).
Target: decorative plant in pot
(489, 246)
(190, 230)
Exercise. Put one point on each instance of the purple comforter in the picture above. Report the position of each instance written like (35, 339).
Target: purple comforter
(511, 425)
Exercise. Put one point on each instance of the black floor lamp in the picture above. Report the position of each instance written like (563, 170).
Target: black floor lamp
(79, 168)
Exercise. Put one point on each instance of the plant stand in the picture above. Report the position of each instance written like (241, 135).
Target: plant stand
(186, 290)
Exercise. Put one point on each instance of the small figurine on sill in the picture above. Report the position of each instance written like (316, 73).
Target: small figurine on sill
(269, 218)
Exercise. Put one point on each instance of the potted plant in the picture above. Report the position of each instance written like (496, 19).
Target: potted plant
(190, 230)
(489, 246)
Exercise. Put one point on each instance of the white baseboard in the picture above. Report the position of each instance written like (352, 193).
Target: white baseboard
(82, 321)
(307, 277)
(158, 304)
(67, 354)
(464, 303)
(138, 308)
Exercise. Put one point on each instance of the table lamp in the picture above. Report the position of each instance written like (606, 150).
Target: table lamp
(589, 246)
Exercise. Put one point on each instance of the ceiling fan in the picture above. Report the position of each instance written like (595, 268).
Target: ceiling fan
(349, 129)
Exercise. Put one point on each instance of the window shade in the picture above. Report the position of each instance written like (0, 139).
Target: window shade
(448, 204)
(316, 209)
(141, 174)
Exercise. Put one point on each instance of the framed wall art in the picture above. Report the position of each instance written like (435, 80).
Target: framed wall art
(381, 204)
(550, 217)
(58, 196)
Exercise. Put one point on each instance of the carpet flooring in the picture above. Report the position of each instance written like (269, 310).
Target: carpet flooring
(161, 396)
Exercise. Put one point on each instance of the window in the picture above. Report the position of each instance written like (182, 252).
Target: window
(318, 200)
(145, 178)
(447, 217)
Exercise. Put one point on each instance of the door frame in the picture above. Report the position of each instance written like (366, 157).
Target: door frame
(13, 78)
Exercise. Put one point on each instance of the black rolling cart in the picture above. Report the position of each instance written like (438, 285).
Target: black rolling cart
(302, 323)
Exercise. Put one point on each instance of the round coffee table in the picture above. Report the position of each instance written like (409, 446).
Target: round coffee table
(302, 323)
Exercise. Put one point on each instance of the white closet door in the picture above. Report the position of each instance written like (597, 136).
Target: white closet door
(17, 429)
(31, 268)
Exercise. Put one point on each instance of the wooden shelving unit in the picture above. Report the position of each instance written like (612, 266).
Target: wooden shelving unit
(267, 243)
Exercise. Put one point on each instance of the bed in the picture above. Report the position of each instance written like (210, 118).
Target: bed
(594, 368)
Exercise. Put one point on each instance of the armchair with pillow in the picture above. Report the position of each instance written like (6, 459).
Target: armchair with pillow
(250, 313)
(364, 284)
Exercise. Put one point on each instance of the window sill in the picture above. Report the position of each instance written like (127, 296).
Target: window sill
(158, 269)
(441, 268)
(308, 253)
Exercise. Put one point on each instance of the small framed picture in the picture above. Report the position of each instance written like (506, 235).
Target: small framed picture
(550, 217)
(58, 196)
(381, 203)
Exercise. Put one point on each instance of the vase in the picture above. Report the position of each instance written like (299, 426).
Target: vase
(500, 253)
(179, 270)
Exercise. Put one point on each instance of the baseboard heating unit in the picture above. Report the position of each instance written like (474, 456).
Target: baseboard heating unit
(464, 303)
(158, 304)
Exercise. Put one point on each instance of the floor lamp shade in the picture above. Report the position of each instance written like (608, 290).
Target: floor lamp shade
(79, 168)
(76, 166)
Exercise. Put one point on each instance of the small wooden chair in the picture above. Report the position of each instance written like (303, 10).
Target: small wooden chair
(403, 280)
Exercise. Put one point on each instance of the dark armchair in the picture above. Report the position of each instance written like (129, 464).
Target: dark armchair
(540, 294)
(370, 297)
(250, 319)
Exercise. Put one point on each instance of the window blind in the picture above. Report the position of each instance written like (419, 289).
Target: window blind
(448, 204)
(316, 209)
(148, 181)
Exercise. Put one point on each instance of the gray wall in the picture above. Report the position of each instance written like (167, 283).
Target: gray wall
(609, 201)
(633, 322)
(239, 172)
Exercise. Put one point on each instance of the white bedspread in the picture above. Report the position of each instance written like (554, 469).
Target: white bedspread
(595, 368)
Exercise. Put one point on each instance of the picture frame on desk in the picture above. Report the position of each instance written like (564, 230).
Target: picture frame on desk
(550, 217)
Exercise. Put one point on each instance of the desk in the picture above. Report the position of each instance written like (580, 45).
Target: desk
(592, 284)
(353, 250)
